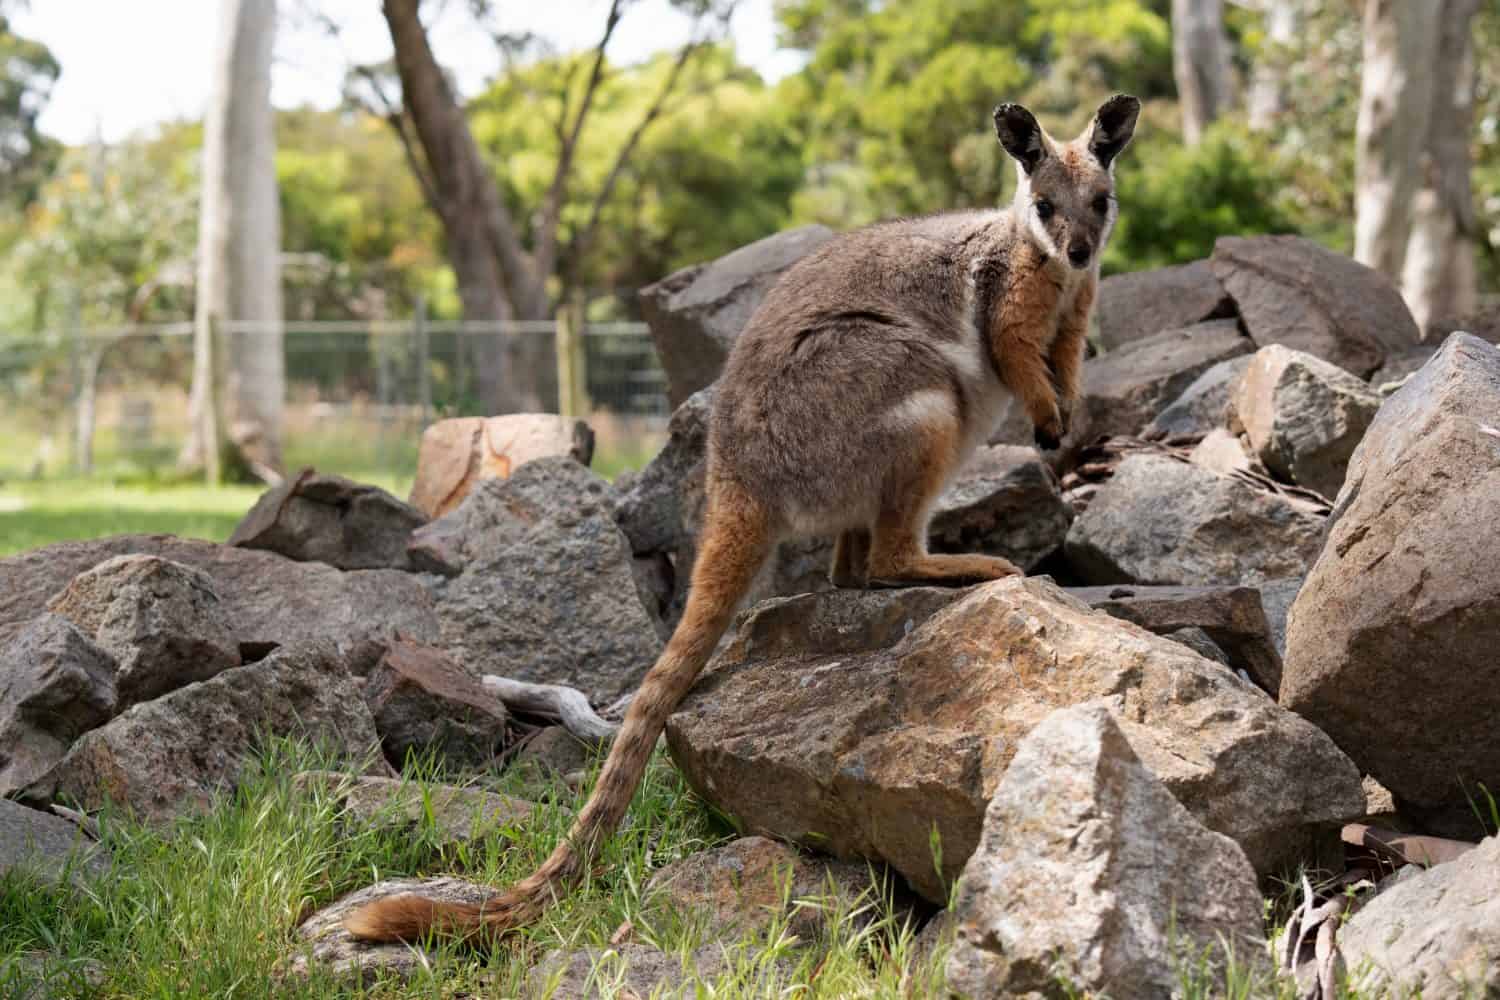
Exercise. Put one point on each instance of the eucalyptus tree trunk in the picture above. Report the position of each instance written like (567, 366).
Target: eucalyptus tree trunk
(1200, 63)
(239, 255)
(1266, 99)
(1395, 103)
(1439, 279)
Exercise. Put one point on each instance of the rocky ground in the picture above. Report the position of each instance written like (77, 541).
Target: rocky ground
(1254, 662)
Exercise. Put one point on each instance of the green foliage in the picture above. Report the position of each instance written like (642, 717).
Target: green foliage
(1176, 200)
(27, 74)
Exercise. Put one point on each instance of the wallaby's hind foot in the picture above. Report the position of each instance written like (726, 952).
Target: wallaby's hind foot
(945, 571)
(851, 560)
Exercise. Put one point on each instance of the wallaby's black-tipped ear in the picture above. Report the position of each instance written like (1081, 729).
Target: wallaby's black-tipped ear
(1114, 124)
(1020, 135)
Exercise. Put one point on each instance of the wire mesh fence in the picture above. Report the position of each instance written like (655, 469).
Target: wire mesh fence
(114, 401)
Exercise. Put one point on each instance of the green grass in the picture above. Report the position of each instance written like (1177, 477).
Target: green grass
(207, 908)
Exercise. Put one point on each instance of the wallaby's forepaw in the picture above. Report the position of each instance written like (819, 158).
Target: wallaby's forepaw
(1049, 435)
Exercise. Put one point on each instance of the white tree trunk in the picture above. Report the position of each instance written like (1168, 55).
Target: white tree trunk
(1200, 63)
(1266, 99)
(1395, 101)
(1439, 280)
(239, 245)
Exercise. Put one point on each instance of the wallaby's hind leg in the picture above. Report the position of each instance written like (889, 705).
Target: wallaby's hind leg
(851, 559)
(898, 549)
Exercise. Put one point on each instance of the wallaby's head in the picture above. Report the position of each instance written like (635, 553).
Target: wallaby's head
(1066, 194)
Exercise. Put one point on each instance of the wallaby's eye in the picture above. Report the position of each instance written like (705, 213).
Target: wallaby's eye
(1101, 204)
(1043, 209)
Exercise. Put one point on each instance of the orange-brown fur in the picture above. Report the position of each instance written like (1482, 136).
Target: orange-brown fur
(861, 384)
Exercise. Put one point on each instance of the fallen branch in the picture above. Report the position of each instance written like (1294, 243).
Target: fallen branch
(553, 701)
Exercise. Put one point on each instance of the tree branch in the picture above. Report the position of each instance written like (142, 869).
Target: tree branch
(551, 215)
(578, 248)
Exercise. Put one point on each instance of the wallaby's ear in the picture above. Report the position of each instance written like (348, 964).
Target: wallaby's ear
(1020, 135)
(1114, 124)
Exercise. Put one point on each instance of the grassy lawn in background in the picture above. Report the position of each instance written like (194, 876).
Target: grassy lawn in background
(125, 498)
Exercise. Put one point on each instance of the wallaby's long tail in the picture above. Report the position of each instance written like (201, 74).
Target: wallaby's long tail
(735, 542)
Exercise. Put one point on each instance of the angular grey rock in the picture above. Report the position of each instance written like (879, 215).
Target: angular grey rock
(1169, 522)
(1202, 406)
(1276, 597)
(1291, 291)
(163, 623)
(1231, 617)
(172, 756)
(1399, 367)
(544, 591)
(742, 887)
(1090, 873)
(1124, 390)
(314, 517)
(47, 848)
(1142, 304)
(454, 817)
(55, 685)
(1200, 642)
(865, 723)
(631, 969)
(323, 944)
(696, 313)
(1303, 416)
(1391, 642)
(423, 702)
(549, 755)
(270, 599)
(1436, 934)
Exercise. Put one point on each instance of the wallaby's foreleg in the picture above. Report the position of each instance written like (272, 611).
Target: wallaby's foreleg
(898, 546)
(851, 559)
(1066, 356)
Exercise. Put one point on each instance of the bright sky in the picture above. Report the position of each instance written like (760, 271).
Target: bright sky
(128, 64)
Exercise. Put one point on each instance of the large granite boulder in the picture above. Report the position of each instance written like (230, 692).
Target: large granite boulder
(1142, 304)
(696, 313)
(1391, 642)
(457, 454)
(1169, 522)
(867, 723)
(161, 621)
(55, 685)
(1289, 290)
(320, 518)
(1303, 416)
(174, 755)
(269, 598)
(541, 587)
(1090, 874)
(1434, 934)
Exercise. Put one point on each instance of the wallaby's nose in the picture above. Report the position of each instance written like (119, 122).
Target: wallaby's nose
(1078, 253)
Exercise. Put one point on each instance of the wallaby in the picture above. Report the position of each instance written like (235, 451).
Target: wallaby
(871, 371)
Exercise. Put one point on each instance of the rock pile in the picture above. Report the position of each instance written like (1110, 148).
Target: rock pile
(1272, 588)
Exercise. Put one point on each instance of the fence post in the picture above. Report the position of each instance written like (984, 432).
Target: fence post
(424, 360)
(572, 366)
(213, 402)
